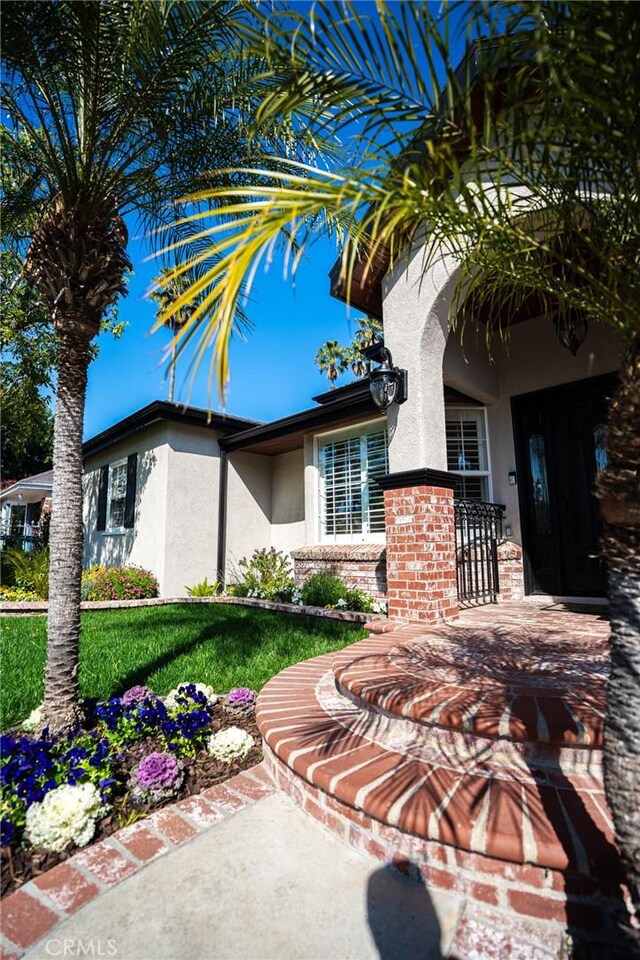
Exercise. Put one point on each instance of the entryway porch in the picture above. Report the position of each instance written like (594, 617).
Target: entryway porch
(470, 754)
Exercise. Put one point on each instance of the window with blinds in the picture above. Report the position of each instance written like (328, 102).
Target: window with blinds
(467, 453)
(352, 505)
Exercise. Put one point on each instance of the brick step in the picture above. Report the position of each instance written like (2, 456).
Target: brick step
(521, 690)
(472, 793)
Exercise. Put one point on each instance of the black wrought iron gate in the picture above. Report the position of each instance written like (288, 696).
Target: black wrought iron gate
(478, 531)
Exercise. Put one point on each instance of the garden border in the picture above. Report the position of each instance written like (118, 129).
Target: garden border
(13, 608)
(31, 912)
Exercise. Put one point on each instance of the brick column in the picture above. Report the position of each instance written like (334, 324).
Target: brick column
(510, 571)
(421, 553)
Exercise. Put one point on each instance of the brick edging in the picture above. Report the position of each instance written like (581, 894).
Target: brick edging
(30, 913)
(351, 616)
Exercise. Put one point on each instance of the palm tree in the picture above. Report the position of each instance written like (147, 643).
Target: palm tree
(333, 360)
(369, 331)
(114, 110)
(543, 109)
(169, 288)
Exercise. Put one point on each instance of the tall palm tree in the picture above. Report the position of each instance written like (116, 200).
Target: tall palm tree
(333, 360)
(169, 287)
(114, 110)
(544, 113)
(368, 332)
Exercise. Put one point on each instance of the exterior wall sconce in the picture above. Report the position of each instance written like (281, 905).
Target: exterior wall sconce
(388, 384)
(571, 329)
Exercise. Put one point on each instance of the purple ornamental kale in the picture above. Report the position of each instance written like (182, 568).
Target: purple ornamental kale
(135, 694)
(158, 771)
(241, 700)
(241, 697)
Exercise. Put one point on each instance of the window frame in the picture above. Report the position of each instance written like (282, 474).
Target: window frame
(108, 528)
(466, 408)
(360, 430)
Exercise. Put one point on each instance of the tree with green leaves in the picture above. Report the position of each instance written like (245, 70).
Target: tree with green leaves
(28, 360)
(521, 163)
(333, 360)
(113, 111)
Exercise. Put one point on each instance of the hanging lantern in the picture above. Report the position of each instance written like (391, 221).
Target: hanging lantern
(571, 328)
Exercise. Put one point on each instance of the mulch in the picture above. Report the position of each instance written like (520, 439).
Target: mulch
(20, 863)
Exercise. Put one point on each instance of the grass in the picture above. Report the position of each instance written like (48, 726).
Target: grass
(224, 645)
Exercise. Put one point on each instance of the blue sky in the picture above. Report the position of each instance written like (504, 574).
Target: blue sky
(272, 371)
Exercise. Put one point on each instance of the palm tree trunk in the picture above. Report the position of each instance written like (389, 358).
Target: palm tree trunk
(61, 707)
(619, 491)
(172, 372)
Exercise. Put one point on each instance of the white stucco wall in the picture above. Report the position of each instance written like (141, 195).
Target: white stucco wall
(248, 507)
(144, 544)
(288, 529)
(416, 328)
(176, 509)
(191, 541)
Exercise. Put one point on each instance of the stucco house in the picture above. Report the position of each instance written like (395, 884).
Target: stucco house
(402, 504)
(22, 505)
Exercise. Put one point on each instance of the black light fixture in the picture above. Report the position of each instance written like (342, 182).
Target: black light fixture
(571, 328)
(388, 384)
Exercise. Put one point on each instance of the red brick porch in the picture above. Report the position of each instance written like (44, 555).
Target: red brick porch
(470, 754)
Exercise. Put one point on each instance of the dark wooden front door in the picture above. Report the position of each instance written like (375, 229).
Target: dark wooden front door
(560, 446)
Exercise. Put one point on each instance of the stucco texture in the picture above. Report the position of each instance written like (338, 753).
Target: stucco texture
(176, 507)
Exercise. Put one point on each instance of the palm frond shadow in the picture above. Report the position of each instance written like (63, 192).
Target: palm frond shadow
(558, 813)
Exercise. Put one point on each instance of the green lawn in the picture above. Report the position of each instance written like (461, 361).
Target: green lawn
(224, 645)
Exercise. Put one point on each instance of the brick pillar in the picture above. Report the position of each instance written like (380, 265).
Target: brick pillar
(421, 553)
(510, 571)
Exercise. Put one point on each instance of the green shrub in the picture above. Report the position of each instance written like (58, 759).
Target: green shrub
(359, 601)
(118, 583)
(323, 590)
(28, 571)
(17, 594)
(205, 589)
(267, 575)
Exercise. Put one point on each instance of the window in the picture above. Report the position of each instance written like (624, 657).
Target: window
(351, 503)
(116, 495)
(467, 453)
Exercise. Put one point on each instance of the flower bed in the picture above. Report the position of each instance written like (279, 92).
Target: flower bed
(137, 753)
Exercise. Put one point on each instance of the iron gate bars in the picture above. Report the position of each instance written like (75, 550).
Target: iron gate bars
(478, 530)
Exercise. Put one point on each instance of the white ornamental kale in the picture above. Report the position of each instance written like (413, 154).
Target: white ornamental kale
(171, 703)
(230, 744)
(33, 721)
(67, 815)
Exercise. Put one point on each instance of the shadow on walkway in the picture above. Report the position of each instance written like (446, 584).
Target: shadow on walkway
(402, 917)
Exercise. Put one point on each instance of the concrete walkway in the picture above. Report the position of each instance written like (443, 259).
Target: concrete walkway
(268, 882)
